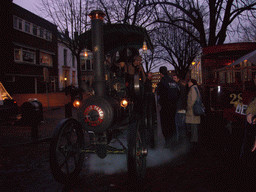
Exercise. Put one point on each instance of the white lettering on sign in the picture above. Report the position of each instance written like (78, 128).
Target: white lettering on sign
(241, 109)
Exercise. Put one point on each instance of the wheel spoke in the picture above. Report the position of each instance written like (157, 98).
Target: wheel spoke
(64, 162)
(66, 158)
(67, 167)
(136, 158)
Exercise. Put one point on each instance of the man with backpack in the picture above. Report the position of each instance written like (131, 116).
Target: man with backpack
(168, 92)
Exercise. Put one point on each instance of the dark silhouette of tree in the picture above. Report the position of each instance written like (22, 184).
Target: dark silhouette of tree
(212, 19)
(132, 12)
(248, 32)
(176, 47)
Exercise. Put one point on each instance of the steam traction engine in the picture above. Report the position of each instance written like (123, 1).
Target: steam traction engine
(113, 110)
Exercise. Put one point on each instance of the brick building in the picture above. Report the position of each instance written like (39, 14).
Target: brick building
(31, 50)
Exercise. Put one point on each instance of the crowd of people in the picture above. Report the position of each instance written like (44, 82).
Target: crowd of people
(176, 99)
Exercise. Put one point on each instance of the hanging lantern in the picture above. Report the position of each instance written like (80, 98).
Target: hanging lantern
(144, 47)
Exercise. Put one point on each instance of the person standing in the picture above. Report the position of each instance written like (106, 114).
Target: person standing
(136, 64)
(181, 109)
(192, 121)
(168, 92)
(250, 117)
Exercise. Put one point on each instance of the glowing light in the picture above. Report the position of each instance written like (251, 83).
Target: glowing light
(144, 47)
(97, 14)
(85, 53)
(193, 63)
(124, 103)
(76, 103)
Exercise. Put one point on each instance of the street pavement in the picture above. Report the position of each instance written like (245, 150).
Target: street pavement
(17, 133)
(212, 166)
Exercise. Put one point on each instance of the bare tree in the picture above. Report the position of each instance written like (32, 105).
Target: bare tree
(71, 18)
(212, 19)
(151, 59)
(133, 12)
(249, 34)
(175, 45)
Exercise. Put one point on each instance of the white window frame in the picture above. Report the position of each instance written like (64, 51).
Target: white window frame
(34, 28)
(90, 65)
(41, 32)
(27, 27)
(65, 57)
(48, 35)
(17, 23)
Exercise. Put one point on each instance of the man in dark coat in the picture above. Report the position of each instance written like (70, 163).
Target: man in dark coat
(168, 92)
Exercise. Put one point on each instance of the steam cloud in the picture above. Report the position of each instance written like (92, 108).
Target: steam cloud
(115, 163)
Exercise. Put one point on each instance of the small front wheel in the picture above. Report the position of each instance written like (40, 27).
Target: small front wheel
(66, 156)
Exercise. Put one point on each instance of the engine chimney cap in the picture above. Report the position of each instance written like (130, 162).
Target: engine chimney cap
(97, 14)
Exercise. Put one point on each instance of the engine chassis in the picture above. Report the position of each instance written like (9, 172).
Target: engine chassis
(135, 121)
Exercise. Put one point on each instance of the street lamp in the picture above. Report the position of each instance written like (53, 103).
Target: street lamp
(65, 81)
(85, 53)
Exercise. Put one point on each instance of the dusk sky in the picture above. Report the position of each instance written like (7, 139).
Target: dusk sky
(29, 5)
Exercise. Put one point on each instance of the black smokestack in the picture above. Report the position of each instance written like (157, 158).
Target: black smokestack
(97, 17)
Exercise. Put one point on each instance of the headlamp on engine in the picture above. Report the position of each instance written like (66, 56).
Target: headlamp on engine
(124, 103)
(76, 103)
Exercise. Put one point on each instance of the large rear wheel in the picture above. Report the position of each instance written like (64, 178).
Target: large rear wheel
(66, 156)
(137, 153)
(151, 119)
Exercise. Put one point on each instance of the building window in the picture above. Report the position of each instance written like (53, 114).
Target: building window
(27, 27)
(41, 32)
(45, 59)
(28, 56)
(88, 65)
(20, 24)
(31, 28)
(83, 64)
(17, 55)
(34, 30)
(73, 61)
(73, 77)
(17, 23)
(47, 35)
(65, 56)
